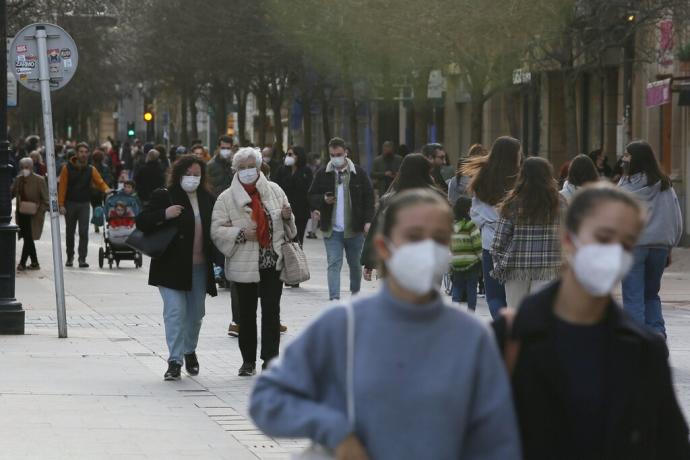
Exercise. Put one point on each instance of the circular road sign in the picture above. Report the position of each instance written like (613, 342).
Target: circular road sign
(62, 56)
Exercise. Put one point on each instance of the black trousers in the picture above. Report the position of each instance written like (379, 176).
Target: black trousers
(270, 289)
(301, 224)
(77, 213)
(29, 248)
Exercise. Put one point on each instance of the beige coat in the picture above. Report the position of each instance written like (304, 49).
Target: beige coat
(232, 212)
(35, 189)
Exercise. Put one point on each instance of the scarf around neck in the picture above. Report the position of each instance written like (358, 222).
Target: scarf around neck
(258, 216)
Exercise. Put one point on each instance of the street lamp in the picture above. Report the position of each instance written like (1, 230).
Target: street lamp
(11, 312)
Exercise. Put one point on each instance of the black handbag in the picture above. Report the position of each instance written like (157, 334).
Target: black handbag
(152, 244)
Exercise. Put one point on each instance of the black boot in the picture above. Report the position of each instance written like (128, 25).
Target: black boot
(191, 364)
(247, 370)
(173, 372)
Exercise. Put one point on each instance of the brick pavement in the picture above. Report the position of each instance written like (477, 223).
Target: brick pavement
(100, 394)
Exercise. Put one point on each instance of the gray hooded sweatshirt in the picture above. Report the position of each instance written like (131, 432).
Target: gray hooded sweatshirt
(665, 223)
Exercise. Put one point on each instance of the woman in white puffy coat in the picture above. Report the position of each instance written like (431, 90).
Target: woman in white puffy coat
(251, 221)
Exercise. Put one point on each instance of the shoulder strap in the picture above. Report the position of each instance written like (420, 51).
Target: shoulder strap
(350, 382)
(511, 348)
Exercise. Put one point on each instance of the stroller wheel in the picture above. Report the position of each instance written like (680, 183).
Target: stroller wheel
(101, 257)
(138, 261)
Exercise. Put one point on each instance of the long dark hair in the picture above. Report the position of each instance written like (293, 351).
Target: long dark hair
(494, 175)
(301, 155)
(180, 167)
(475, 150)
(582, 170)
(415, 172)
(643, 160)
(534, 199)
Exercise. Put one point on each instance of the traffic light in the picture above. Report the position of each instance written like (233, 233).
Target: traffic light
(148, 116)
(131, 131)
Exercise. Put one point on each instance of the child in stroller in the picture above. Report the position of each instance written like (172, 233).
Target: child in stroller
(120, 210)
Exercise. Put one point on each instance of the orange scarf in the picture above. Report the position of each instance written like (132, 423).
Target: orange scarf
(258, 216)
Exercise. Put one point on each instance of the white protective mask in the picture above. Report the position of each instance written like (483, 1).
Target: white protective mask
(226, 153)
(248, 176)
(120, 186)
(190, 183)
(289, 161)
(419, 267)
(599, 267)
(26, 172)
(338, 162)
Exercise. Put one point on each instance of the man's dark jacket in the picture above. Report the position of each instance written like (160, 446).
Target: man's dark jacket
(361, 197)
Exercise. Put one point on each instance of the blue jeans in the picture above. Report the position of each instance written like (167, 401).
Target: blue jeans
(641, 287)
(334, 255)
(495, 291)
(183, 312)
(466, 281)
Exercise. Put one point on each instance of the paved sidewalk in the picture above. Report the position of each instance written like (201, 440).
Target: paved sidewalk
(99, 394)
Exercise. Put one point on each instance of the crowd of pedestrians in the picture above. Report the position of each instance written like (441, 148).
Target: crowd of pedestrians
(561, 375)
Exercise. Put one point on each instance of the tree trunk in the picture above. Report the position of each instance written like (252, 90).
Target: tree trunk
(570, 112)
(325, 114)
(306, 121)
(184, 132)
(262, 105)
(477, 118)
(241, 96)
(276, 97)
(193, 113)
(512, 115)
(277, 109)
(421, 108)
(387, 128)
(219, 104)
(353, 121)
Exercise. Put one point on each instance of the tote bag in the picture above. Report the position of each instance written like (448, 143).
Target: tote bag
(295, 268)
(316, 451)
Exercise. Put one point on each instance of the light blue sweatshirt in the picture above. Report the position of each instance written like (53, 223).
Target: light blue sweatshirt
(485, 217)
(664, 220)
(429, 384)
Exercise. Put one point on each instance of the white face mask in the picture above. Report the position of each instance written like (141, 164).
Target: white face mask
(26, 172)
(338, 162)
(419, 267)
(599, 267)
(190, 183)
(120, 186)
(225, 153)
(248, 176)
(289, 161)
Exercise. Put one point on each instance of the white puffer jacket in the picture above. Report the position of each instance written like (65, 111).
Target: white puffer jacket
(233, 212)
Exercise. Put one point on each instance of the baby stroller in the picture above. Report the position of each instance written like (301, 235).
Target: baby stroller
(120, 211)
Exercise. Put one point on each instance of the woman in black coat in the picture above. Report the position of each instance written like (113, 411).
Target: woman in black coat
(150, 177)
(184, 273)
(295, 178)
(588, 382)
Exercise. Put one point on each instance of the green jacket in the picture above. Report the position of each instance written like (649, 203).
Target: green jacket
(466, 246)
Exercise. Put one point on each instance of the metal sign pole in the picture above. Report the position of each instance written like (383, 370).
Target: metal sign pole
(44, 79)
